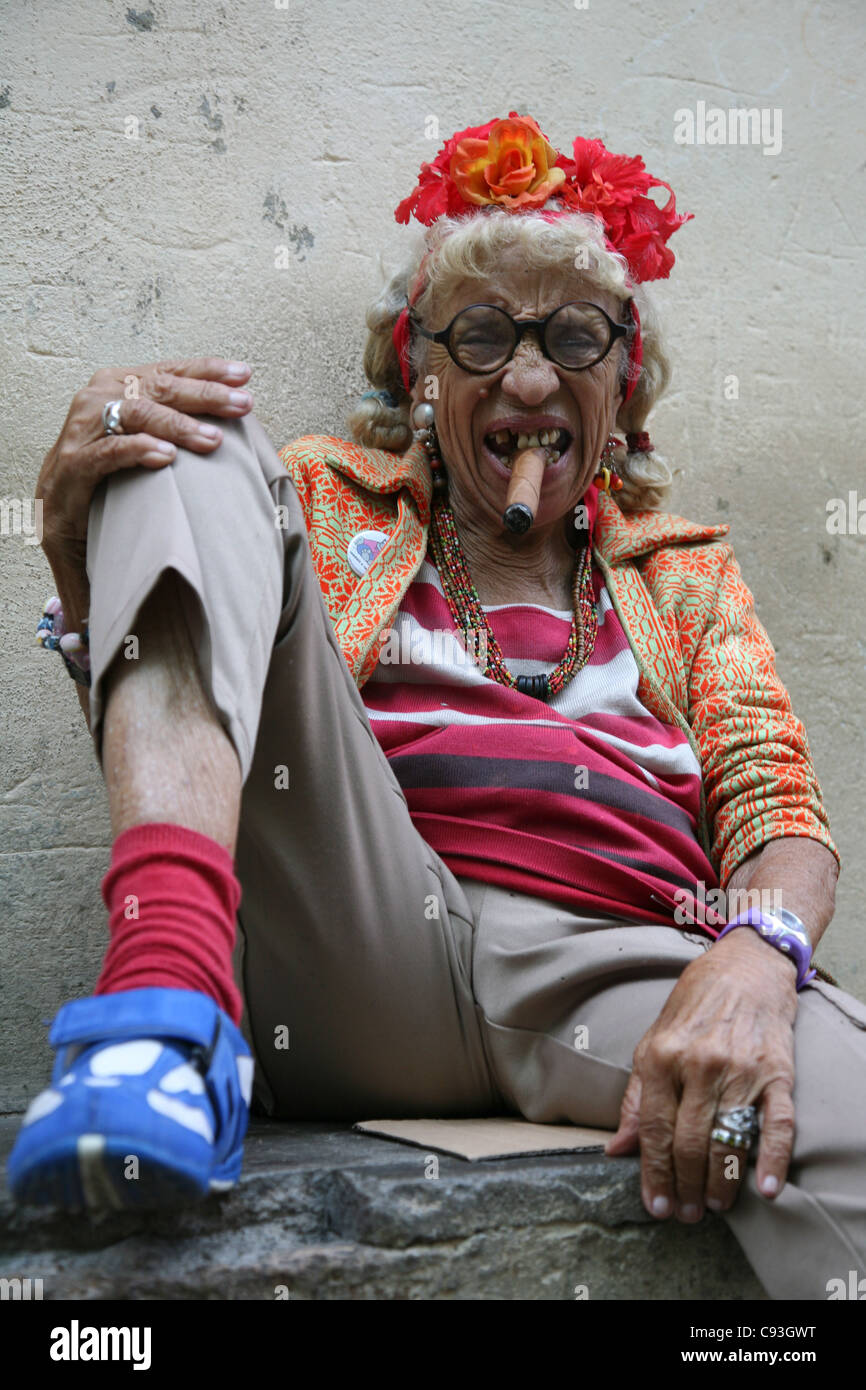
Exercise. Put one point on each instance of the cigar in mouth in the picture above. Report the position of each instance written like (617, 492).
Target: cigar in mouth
(524, 490)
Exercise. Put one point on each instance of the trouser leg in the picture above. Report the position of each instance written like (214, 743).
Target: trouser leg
(814, 1232)
(357, 938)
(566, 1000)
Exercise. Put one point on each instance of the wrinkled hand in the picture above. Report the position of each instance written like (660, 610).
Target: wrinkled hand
(160, 402)
(724, 1039)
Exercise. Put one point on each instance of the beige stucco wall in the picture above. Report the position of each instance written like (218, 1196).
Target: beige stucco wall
(259, 126)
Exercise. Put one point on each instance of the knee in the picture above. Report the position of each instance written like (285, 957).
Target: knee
(246, 448)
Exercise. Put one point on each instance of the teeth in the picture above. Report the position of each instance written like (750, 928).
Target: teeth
(510, 442)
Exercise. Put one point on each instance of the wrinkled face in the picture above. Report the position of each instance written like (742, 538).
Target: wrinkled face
(529, 394)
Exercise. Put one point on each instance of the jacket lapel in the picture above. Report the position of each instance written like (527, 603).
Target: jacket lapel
(621, 542)
(376, 597)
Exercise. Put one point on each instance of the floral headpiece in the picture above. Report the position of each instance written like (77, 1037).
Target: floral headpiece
(510, 164)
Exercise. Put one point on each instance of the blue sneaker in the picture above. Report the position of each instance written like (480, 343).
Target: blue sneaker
(148, 1105)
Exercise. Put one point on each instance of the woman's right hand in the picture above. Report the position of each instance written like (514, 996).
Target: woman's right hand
(160, 402)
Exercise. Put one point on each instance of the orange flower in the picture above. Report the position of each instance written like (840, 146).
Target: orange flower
(513, 167)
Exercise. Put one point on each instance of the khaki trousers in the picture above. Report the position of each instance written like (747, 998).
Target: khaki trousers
(377, 983)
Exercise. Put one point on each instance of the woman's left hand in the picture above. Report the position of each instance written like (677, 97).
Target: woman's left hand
(724, 1039)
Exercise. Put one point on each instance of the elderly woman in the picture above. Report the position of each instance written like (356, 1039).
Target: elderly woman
(477, 729)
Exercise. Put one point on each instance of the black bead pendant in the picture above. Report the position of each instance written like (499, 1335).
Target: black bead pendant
(535, 686)
(440, 483)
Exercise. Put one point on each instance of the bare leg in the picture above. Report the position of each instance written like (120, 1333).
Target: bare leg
(166, 992)
(166, 756)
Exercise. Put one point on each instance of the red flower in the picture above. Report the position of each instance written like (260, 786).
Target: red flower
(614, 188)
(510, 164)
(436, 194)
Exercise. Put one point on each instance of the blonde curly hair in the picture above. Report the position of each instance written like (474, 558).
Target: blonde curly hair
(459, 248)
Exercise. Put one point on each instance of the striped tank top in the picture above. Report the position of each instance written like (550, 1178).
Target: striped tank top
(589, 801)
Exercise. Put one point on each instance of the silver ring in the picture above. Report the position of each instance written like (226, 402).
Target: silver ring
(732, 1138)
(111, 422)
(742, 1118)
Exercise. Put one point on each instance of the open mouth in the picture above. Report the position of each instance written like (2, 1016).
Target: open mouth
(506, 444)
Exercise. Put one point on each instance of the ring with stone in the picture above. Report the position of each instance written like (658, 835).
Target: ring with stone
(742, 1118)
(732, 1138)
(111, 422)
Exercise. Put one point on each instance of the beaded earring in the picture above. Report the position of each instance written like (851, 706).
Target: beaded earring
(607, 479)
(424, 432)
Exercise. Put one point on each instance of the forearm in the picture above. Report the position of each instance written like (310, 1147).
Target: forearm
(801, 872)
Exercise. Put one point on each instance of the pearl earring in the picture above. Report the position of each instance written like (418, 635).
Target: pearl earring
(424, 430)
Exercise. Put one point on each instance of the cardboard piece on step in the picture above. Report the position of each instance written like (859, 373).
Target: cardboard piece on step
(496, 1137)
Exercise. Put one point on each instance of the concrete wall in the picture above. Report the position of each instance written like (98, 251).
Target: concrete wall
(258, 127)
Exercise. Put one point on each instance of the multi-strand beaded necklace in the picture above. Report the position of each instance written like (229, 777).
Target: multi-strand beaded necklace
(469, 616)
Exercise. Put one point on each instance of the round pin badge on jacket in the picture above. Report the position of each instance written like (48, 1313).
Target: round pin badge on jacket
(364, 548)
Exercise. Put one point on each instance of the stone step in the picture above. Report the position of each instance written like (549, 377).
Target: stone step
(324, 1212)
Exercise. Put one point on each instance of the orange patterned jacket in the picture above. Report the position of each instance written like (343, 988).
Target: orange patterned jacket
(705, 661)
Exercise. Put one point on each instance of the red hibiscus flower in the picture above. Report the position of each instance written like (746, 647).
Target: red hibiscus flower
(614, 188)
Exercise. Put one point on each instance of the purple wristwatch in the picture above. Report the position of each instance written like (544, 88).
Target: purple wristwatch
(785, 931)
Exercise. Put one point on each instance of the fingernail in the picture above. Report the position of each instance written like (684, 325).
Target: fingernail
(714, 1204)
(691, 1213)
(661, 1206)
(155, 455)
(769, 1185)
(240, 398)
(236, 368)
(208, 431)
(163, 447)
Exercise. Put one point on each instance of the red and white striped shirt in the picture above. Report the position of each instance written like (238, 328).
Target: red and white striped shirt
(589, 800)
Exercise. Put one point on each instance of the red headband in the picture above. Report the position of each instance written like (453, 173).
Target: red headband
(401, 333)
(511, 165)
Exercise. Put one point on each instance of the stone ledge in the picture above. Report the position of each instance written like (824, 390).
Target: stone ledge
(329, 1213)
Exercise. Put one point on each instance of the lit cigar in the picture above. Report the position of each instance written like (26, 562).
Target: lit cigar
(524, 490)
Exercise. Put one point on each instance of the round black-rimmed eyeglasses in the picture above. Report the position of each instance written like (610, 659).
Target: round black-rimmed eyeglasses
(483, 337)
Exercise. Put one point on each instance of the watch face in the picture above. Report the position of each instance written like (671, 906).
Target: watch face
(781, 923)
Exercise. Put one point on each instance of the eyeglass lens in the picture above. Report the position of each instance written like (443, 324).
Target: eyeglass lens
(483, 337)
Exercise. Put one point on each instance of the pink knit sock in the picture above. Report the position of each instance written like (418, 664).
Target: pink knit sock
(172, 896)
